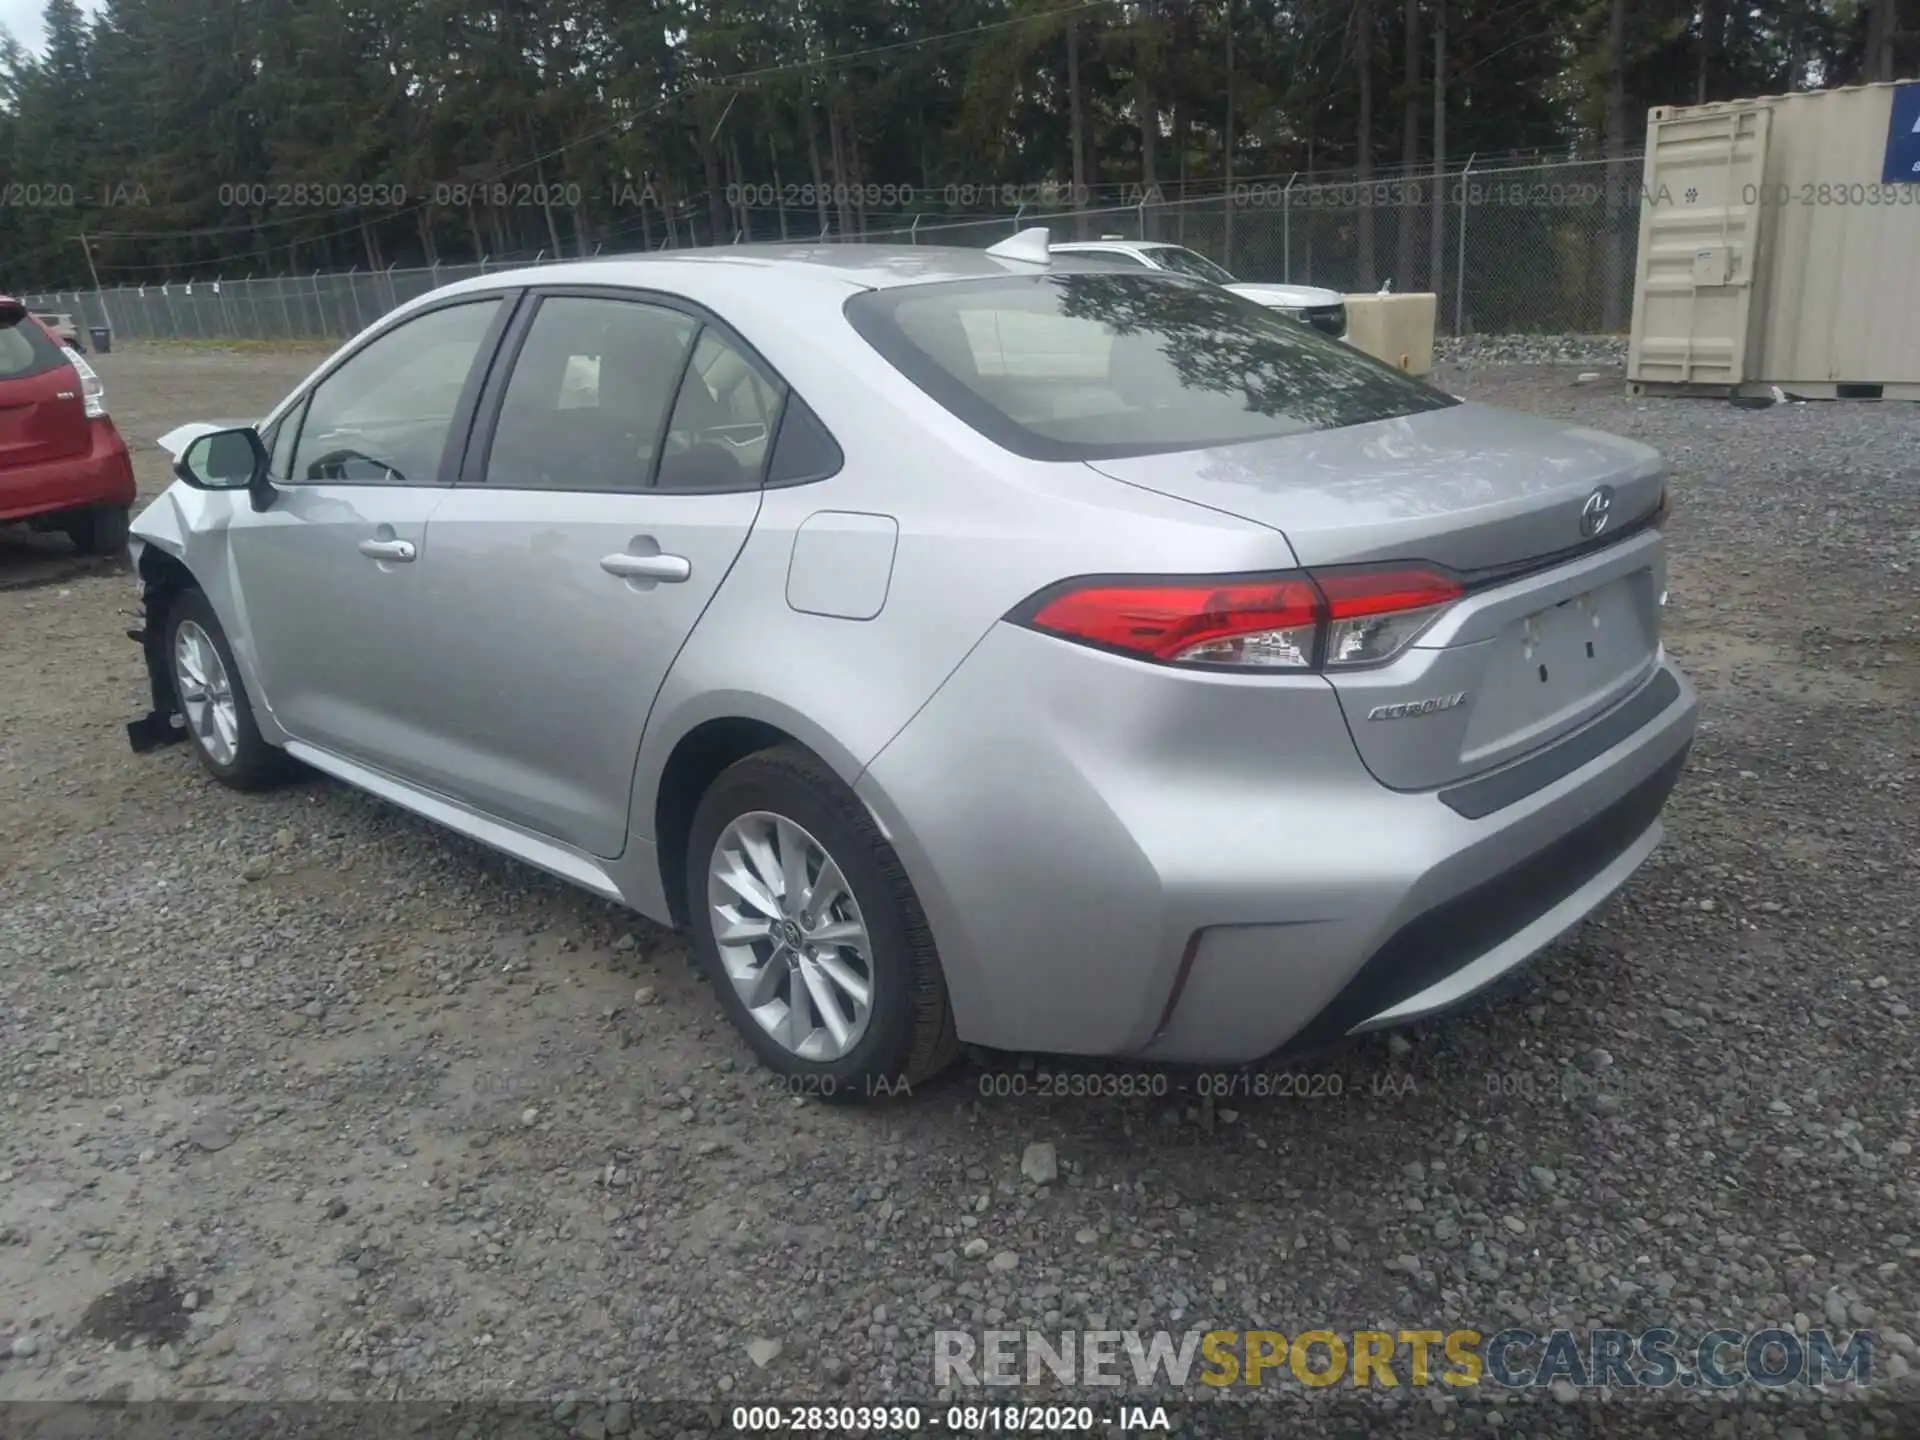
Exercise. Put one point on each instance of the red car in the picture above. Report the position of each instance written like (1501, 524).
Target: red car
(63, 466)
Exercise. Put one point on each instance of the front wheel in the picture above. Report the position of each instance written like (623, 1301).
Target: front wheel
(213, 700)
(810, 932)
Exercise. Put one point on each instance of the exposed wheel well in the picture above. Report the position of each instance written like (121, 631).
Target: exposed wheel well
(696, 762)
(162, 578)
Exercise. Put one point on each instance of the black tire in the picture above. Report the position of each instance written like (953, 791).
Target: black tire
(99, 530)
(910, 1035)
(255, 764)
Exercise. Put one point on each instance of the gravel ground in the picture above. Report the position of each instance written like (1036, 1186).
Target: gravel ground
(1509, 350)
(302, 1098)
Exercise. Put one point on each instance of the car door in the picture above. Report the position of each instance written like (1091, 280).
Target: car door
(616, 474)
(329, 578)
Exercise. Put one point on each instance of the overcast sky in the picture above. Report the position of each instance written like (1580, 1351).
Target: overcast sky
(22, 17)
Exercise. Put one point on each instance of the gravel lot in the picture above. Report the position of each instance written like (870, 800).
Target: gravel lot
(301, 1098)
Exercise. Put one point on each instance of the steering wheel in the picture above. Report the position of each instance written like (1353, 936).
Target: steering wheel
(336, 462)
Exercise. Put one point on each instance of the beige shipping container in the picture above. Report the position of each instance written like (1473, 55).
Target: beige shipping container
(1775, 251)
(1395, 328)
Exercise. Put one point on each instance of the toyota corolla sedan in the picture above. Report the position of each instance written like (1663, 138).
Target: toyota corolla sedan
(961, 646)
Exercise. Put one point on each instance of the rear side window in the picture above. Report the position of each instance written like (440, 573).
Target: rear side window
(1090, 366)
(587, 405)
(723, 420)
(806, 449)
(626, 395)
(26, 349)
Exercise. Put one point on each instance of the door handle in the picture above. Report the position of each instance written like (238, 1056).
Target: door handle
(388, 549)
(671, 568)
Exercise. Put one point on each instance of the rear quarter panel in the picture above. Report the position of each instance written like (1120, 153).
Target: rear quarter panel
(979, 531)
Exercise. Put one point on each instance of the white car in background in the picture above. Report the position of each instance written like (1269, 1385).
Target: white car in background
(1324, 310)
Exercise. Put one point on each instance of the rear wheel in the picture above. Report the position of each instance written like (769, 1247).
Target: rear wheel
(99, 530)
(213, 699)
(810, 932)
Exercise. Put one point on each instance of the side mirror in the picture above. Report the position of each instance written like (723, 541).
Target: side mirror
(227, 460)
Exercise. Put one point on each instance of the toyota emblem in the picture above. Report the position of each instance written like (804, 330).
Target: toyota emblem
(1595, 514)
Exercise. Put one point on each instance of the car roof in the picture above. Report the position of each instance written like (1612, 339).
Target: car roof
(767, 286)
(842, 265)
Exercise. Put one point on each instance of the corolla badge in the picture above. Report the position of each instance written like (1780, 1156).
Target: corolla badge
(1408, 708)
(1595, 514)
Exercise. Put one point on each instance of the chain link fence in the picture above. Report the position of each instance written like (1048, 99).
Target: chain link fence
(1534, 249)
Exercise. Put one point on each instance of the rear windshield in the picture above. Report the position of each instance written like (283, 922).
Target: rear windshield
(1091, 366)
(1098, 260)
(26, 349)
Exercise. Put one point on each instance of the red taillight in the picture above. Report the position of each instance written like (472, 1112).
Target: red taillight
(1373, 615)
(1171, 620)
(1354, 593)
(1332, 618)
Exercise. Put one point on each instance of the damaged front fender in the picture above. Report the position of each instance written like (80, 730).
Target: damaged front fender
(161, 578)
(178, 542)
(157, 547)
(161, 524)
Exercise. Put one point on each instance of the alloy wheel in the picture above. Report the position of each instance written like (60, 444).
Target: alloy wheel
(206, 693)
(790, 935)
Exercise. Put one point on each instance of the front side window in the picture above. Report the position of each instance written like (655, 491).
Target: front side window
(586, 408)
(279, 442)
(1087, 366)
(1183, 261)
(383, 417)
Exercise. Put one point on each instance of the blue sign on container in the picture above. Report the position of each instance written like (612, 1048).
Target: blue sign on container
(1903, 138)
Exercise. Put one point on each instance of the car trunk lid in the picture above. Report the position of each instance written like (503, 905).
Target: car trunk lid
(1557, 625)
(1511, 668)
(1469, 487)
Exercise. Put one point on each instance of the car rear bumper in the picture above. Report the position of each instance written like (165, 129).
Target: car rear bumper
(1120, 859)
(101, 476)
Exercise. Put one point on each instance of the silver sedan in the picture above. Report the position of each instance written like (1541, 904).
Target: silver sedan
(963, 646)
